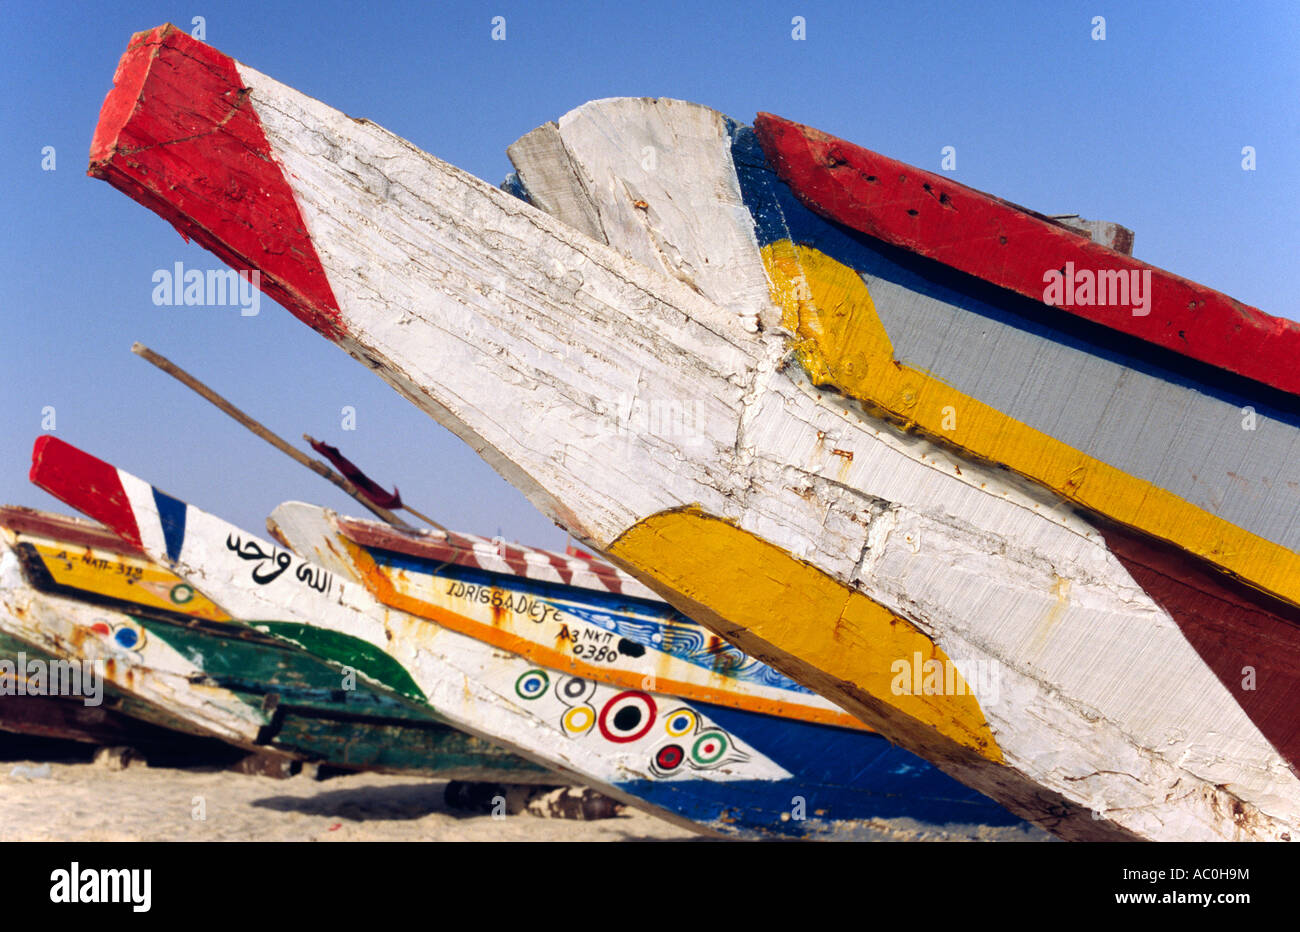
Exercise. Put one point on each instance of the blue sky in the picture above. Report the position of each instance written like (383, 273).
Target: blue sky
(1145, 128)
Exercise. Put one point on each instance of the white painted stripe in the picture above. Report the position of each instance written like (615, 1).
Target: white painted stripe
(145, 509)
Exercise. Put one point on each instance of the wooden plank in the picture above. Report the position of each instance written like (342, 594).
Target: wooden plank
(508, 596)
(680, 146)
(116, 722)
(1108, 234)
(713, 768)
(556, 186)
(76, 531)
(813, 535)
(69, 719)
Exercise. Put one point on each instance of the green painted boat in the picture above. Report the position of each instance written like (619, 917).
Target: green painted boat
(168, 658)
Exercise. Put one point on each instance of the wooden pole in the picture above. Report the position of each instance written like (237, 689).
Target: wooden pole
(316, 466)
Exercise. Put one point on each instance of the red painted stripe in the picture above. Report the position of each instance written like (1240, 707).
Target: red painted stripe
(179, 134)
(608, 576)
(1231, 626)
(87, 484)
(1012, 247)
(514, 558)
(561, 566)
(459, 549)
(33, 523)
(382, 537)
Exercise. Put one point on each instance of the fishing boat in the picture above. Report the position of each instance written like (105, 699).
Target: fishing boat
(570, 612)
(73, 596)
(29, 710)
(1049, 617)
(717, 770)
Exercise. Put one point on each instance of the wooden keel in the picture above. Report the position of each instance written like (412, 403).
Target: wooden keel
(105, 725)
(792, 520)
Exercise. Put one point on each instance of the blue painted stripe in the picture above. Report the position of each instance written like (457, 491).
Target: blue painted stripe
(514, 186)
(844, 775)
(171, 513)
(652, 624)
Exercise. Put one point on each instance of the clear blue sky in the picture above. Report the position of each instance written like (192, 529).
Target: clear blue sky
(1145, 128)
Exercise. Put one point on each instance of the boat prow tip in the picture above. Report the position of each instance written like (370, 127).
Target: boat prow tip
(84, 482)
(171, 92)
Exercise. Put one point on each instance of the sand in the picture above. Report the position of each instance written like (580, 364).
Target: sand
(86, 802)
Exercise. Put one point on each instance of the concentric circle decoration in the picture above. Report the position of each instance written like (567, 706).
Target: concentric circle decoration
(579, 719)
(128, 637)
(627, 717)
(680, 722)
(709, 748)
(533, 684)
(669, 757)
(182, 593)
(574, 690)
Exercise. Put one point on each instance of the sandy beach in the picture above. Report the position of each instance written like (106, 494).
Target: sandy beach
(87, 802)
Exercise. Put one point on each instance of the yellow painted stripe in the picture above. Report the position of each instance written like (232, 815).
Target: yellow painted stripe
(125, 578)
(832, 637)
(842, 343)
(377, 581)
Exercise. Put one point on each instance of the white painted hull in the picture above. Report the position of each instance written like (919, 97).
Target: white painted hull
(521, 335)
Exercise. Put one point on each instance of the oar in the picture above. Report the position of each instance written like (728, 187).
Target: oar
(316, 466)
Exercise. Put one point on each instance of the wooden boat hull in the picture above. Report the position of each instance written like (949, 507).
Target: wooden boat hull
(970, 614)
(581, 616)
(898, 296)
(118, 719)
(874, 268)
(713, 768)
(72, 594)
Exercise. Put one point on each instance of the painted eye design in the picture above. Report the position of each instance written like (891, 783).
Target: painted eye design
(627, 717)
(699, 744)
(532, 685)
(681, 722)
(667, 759)
(126, 635)
(574, 690)
(578, 720)
(709, 748)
